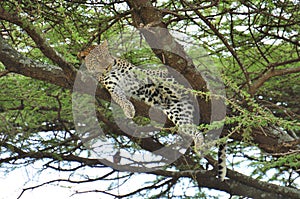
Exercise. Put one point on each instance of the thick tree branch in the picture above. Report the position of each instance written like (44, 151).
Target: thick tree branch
(149, 20)
(242, 185)
(238, 184)
(41, 43)
(16, 62)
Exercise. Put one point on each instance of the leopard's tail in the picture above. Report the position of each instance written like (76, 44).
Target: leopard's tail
(222, 170)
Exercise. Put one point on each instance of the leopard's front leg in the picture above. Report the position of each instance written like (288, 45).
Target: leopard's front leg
(120, 98)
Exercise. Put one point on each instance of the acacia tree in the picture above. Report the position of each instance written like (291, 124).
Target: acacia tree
(254, 44)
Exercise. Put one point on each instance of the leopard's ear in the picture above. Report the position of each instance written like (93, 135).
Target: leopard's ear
(103, 50)
(104, 44)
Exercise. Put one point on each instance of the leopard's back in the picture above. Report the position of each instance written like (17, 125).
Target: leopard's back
(173, 100)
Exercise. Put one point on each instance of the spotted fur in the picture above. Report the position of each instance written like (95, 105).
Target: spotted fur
(154, 87)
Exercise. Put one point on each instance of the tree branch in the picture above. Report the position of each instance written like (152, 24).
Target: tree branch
(3, 73)
(16, 62)
(272, 73)
(148, 20)
(237, 184)
(41, 43)
(65, 180)
(242, 185)
(223, 39)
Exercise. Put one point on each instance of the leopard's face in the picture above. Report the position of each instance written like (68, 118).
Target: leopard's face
(98, 60)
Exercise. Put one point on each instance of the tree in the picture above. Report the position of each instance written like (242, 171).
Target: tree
(254, 45)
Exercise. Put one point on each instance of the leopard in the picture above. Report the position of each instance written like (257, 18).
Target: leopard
(155, 87)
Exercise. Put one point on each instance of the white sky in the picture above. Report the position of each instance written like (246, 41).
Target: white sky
(11, 185)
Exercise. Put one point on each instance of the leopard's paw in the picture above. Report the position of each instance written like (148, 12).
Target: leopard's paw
(129, 110)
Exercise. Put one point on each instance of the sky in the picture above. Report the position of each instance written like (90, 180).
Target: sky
(12, 183)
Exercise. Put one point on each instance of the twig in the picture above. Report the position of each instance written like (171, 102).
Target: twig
(3, 73)
(272, 73)
(223, 39)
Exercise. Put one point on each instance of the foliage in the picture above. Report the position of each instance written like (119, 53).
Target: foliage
(252, 46)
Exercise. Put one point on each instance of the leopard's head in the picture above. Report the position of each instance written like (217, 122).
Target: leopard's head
(99, 60)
